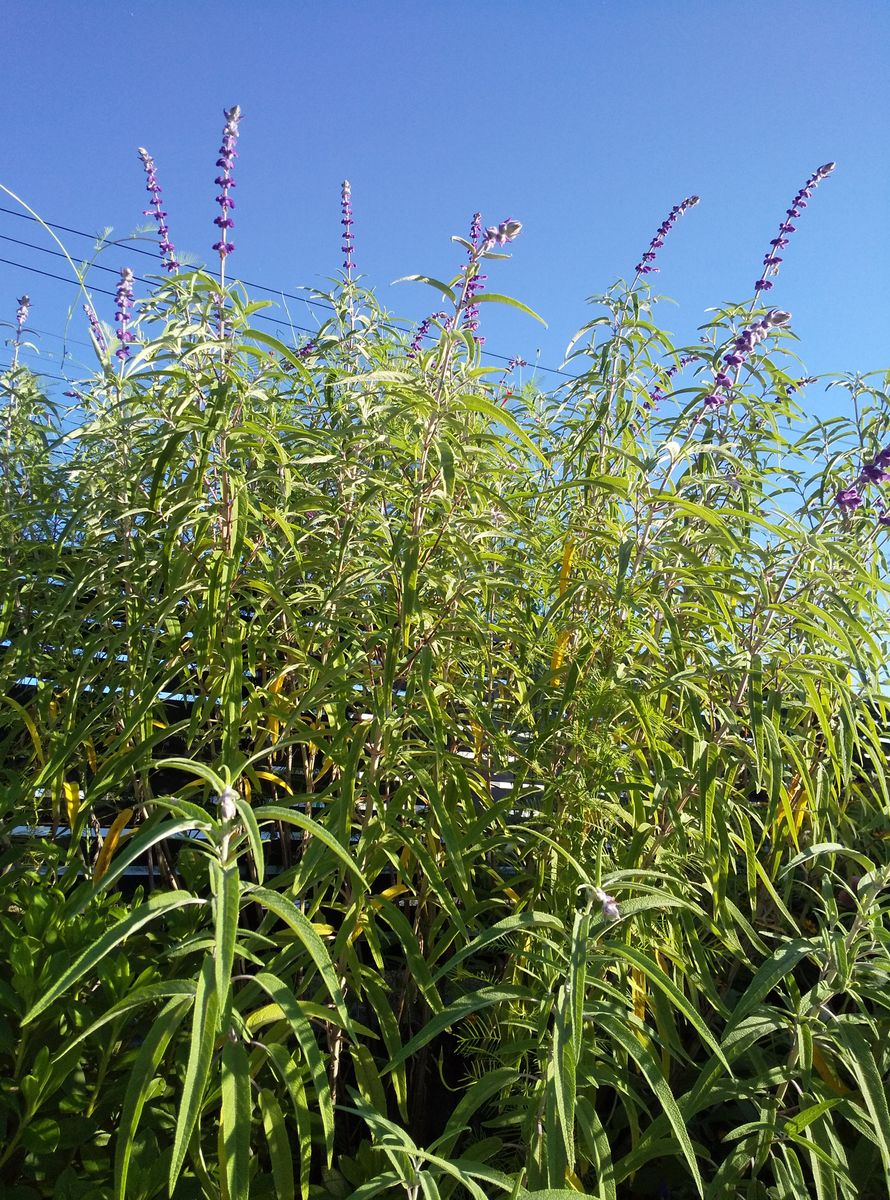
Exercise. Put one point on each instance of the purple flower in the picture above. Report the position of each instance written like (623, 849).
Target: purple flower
(611, 911)
(225, 182)
(713, 400)
(95, 327)
(156, 210)
(476, 228)
(422, 330)
(306, 349)
(848, 499)
(873, 473)
(883, 516)
(644, 266)
(771, 260)
(347, 222)
(722, 380)
(123, 299)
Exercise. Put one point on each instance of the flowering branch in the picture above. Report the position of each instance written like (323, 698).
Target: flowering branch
(123, 299)
(772, 259)
(156, 210)
(644, 266)
(225, 182)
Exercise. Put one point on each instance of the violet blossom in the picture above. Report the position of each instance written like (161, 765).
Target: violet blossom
(422, 330)
(346, 221)
(772, 259)
(225, 182)
(156, 210)
(656, 394)
(123, 299)
(644, 266)
(742, 345)
(848, 499)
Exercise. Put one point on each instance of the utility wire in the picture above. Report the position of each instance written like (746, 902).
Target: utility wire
(127, 244)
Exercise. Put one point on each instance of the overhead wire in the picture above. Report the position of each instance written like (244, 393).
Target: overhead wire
(126, 243)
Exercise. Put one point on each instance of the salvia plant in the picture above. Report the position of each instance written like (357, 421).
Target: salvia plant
(419, 785)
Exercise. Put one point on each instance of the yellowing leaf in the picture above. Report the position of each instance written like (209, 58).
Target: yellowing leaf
(397, 889)
(638, 992)
(111, 842)
(72, 801)
(276, 779)
(827, 1075)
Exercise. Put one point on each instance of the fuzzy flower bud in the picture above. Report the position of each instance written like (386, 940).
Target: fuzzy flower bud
(227, 804)
(21, 313)
(611, 911)
(506, 231)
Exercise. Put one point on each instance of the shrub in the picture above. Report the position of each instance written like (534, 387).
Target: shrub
(505, 766)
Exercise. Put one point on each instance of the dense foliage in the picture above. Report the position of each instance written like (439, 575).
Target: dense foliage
(503, 766)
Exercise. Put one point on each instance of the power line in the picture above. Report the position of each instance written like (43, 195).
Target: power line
(125, 242)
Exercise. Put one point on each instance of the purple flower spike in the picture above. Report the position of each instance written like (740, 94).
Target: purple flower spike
(713, 400)
(644, 266)
(883, 516)
(422, 330)
(848, 499)
(96, 328)
(225, 182)
(156, 210)
(123, 299)
(346, 221)
(771, 259)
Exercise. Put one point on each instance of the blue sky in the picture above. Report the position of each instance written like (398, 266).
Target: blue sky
(586, 120)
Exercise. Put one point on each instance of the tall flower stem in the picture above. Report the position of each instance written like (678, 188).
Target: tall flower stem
(225, 182)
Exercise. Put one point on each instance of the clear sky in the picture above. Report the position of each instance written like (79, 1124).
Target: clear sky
(586, 119)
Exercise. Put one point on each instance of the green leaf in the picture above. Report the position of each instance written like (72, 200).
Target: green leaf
(279, 1144)
(646, 1061)
(236, 1119)
(472, 1002)
(288, 912)
(443, 288)
(156, 906)
(495, 298)
(197, 1071)
(141, 1078)
(277, 812)
(284, 998)
(226, 903)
